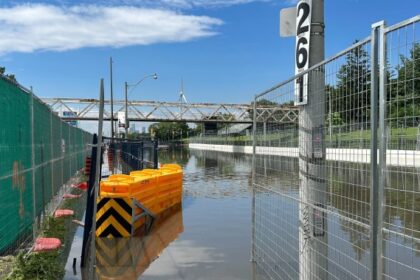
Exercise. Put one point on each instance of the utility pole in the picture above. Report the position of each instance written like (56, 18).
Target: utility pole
(112, 98)
(313, 248)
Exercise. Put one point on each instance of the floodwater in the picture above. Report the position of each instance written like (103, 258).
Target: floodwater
(209, 236)
(215, 239)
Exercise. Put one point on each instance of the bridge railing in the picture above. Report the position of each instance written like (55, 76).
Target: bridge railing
(325, 210)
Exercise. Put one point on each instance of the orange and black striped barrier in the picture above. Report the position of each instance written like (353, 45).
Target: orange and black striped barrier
(114, 217)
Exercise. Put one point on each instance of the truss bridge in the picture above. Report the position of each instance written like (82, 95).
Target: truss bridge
(72, 109)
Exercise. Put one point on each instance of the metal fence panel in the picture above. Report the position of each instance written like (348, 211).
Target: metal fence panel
(15, 167)
(39, 154)
(334, 210)
(401, 255)
(320, 227)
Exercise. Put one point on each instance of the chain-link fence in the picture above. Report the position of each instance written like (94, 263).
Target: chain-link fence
(125, 156)
(39, 154)
(322, 208)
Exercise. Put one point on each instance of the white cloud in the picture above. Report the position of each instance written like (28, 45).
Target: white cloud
(181, 4)
(204, 3)
(34, 27)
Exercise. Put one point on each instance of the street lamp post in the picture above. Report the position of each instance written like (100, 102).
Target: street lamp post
(112, 99)
(126, 86)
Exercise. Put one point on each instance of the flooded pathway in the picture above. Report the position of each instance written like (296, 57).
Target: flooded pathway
(208, 238)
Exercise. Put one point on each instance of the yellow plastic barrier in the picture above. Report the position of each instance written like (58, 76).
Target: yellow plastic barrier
(155, 189)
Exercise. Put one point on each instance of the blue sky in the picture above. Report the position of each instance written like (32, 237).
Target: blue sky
(225, 50)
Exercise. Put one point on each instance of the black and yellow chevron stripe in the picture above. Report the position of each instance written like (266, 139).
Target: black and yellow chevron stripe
(114, 259)
(113, 217)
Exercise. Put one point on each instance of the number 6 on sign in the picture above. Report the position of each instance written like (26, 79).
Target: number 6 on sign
(303, 34)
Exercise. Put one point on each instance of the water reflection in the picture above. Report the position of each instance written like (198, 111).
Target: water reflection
(217, 175)
(348, 203)
(217, 219)
(128, 258)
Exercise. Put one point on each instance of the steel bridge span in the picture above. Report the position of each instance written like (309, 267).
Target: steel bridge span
(154, 111)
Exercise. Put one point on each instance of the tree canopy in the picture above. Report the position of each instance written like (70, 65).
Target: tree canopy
(11, 77)
(404, 88)
(169, 130)
(350, 95)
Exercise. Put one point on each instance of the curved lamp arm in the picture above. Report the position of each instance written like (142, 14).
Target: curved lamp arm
(132, 86)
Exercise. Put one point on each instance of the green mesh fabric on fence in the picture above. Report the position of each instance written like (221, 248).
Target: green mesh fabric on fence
(38, 154)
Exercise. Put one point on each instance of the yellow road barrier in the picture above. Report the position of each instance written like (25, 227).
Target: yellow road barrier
(125, 201)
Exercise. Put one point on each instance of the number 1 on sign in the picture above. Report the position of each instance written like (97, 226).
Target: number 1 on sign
(303, 34)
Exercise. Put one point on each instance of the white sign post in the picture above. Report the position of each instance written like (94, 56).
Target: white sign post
(303, 35)
(121, 121)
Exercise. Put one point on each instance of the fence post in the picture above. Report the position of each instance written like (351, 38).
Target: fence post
(141, 155)
(265, 133)
(35, 224)
(376, 190)
(155, 154)
(131, 159)
(52, 163)
(89, 203)
(97, 178)
(254, 143)
(383, 140)
(254, 132)
(417, 145)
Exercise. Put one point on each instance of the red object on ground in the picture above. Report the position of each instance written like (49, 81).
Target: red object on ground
(44, 244)
(69, 196)
(82, 186)
(63, 213)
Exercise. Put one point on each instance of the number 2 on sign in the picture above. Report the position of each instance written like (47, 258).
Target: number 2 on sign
(303, 28)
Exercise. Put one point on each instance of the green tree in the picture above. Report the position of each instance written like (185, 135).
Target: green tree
(11, 77)
(404, 89)
(197, 130)
(352, 94)
(169, 130)
(138, 135)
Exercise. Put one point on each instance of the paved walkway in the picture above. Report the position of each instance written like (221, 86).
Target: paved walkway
(403, 158)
